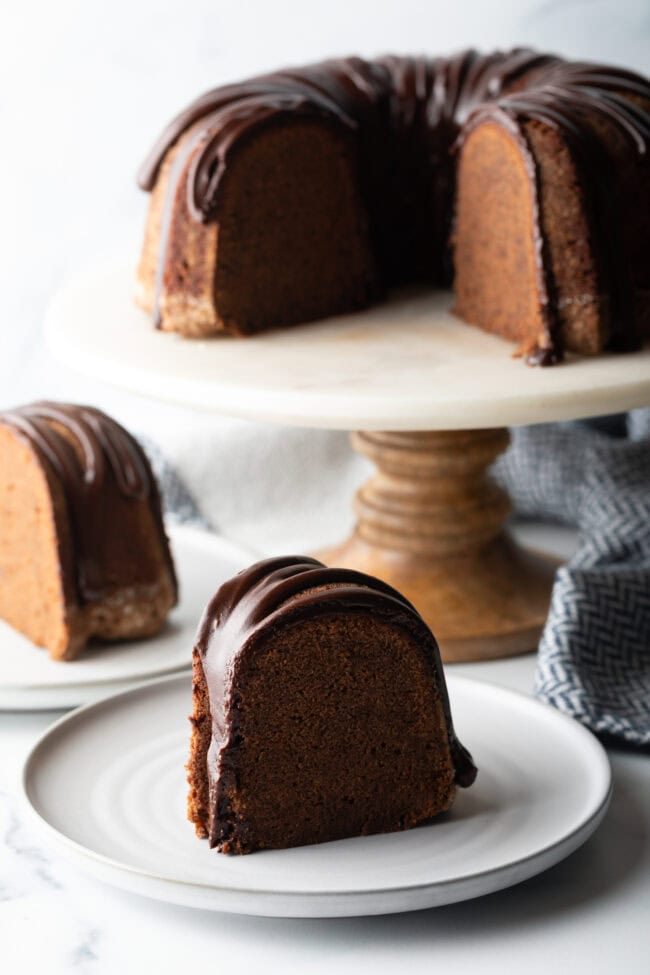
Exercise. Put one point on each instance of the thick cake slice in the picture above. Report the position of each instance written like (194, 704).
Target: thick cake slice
(83, 552)
(320, 711)
(550, 211)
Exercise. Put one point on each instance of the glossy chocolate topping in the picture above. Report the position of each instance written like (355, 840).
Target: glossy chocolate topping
(405, 115)
(86, 449)
(375, 98)
(281, 591)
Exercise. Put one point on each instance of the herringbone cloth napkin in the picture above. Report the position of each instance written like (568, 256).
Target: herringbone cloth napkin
(594, 655)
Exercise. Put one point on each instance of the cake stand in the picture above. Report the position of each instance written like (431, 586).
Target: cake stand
(429, 401)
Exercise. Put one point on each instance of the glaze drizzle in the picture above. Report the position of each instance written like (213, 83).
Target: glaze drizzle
(105, 451)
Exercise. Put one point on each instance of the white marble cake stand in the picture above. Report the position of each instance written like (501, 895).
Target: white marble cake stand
(431, 520)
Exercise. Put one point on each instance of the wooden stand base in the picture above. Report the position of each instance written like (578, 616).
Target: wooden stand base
(430, 523)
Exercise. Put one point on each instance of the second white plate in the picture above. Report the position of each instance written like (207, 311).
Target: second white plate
(30, 680)
(107, 783)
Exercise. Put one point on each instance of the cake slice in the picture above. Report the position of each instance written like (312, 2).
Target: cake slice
(549, 218)
(83, 551)
(320, 711)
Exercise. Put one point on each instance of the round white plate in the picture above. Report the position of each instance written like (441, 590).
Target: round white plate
(108, 784)
(408, 364)
(30, 680)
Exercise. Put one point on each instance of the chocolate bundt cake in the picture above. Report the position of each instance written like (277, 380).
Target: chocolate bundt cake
(83, 551)
(521, 177)
(320, 711)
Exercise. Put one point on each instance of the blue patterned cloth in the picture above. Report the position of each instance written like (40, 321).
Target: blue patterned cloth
(594, 655)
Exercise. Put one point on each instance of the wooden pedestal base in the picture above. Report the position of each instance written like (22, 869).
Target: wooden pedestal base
(430, 523)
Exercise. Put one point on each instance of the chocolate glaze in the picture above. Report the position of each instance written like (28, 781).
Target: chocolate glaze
(105, 452)
(406, 115)
(282, 591)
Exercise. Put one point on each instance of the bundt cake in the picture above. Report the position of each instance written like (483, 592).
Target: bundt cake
(520, 177)
(83, 551)
(320, 711)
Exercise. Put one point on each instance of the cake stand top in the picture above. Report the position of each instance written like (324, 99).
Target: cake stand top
(408, 364)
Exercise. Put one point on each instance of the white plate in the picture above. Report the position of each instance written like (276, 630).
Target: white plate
(30, 680)
(408, 364)
(108, 784)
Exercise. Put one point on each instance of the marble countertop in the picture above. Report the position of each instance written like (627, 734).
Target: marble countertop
(588, 914)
